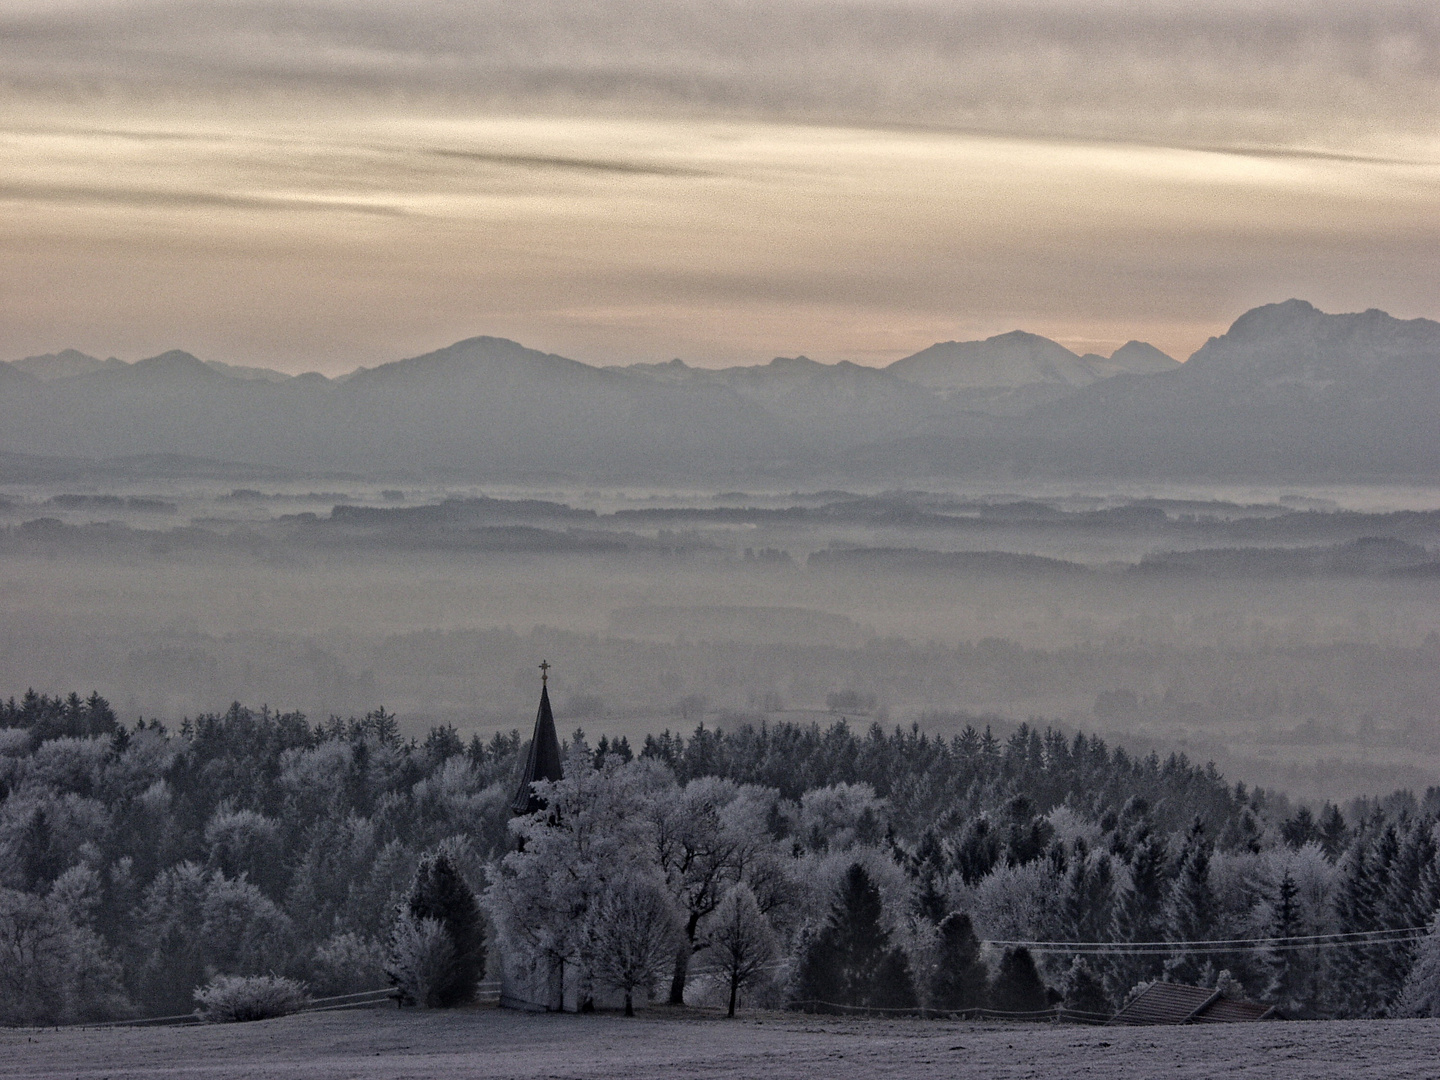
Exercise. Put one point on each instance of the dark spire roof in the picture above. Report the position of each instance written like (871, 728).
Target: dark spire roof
(543, 761)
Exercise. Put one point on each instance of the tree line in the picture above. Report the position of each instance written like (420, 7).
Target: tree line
(768, 864)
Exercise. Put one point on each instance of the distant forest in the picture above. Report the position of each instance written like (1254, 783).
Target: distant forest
(137, 863)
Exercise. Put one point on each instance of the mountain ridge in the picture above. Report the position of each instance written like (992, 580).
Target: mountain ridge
(1287, 390)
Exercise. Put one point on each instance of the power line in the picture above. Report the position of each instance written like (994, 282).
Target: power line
(1351, 939)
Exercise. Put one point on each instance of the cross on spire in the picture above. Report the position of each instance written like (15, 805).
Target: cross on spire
(544, 672)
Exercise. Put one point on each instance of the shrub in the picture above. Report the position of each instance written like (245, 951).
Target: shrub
(232, 998)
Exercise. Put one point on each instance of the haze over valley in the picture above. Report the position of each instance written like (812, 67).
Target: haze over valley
(1232, 557)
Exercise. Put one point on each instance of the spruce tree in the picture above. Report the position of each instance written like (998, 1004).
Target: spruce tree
(441, 893)
(1408, 901)
(850, 965)
(1139, 916)
(1192, 908)
(1285, 988)
(1085, 993)
(1334, 835)
(960, 980)
(1087, 896)
(1017, 987)
(1354, 972)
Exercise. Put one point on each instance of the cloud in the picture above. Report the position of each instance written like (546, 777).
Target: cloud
(146, 199)
(569, 164)
(1266, 72)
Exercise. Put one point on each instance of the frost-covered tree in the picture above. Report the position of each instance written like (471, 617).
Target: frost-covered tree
(197, 924)
(246, 843)
(838, 816)
(1087, 895)
(53, 968)
(1017, 987)
(1018, 903)
(1420, 996)
(1139, 915)
(1192, 912)
(850, 963)
(960, 980)
(595, 831)
(440, 893)
(1084, 991)
(633, 933)
(738, 945)
(698, 854)
(420, 959)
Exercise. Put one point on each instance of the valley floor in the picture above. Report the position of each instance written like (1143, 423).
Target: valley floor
(486, 1043)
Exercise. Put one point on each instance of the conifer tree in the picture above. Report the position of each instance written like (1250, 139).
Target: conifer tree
(1017, 987)
(440, 892)
(1285, 988)
(1139, 916)
(850, 964)
(1192, 908)
(960, 980)
(1085, 992)
(1408, 901)
(1334, 834)
(930, 863)
(1421, 994)
(1087, 896)
(1359, 907)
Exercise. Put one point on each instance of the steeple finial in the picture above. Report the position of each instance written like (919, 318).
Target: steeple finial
(544, 672)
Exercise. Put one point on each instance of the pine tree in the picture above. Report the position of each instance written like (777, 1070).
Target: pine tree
(850, 964)
(1087, 896)
(1354, 972)
(1139, 916)
(1408, 901)
(1192, 908)
(1017, 987)
(1334, 835)
(1421, 993)
(960, 980)
(1285, 988)
(1085, 992)
(930, 863)
(441, 893)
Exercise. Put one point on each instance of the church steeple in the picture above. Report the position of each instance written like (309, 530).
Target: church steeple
(543, 761)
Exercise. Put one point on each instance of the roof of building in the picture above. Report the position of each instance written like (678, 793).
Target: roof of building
(1226, 1011)
(1176, 1003)
(542, 762)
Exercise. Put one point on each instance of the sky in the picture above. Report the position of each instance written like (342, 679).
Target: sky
(321, 185)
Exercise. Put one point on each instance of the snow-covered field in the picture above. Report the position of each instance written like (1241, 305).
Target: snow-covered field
(486, 1043)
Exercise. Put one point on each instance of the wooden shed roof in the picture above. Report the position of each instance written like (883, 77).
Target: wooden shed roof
(1176, 1003)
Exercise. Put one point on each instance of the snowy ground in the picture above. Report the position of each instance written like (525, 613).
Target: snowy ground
(486, 1043)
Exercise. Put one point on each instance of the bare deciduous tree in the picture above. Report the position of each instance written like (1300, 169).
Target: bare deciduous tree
(633, 937)
(739, 945)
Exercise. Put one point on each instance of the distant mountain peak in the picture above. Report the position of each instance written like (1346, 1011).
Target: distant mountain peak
(1005, 361)
(1294, 339)
(66, 364)
(1142, 358)
(1269, 319)
(174, 360)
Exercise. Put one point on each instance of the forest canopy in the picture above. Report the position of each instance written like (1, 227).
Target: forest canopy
(137, 863)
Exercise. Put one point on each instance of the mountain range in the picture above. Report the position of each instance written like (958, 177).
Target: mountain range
(1287, 391)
